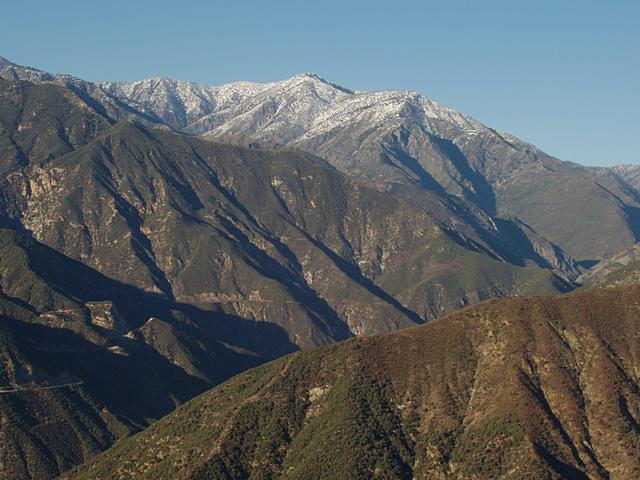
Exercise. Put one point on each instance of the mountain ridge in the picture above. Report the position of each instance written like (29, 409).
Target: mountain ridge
(227, 96)
(290, 113)
(307, 215)
(389, 138)
(508, 389)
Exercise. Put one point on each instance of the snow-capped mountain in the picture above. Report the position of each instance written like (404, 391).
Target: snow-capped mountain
(383, 137)
(401, 138)
(180, 103)
(305, 101)
(359, 132)
(468, 175)
(628, 173)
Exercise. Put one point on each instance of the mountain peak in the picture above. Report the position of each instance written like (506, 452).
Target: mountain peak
(314, 77)
(311, 75)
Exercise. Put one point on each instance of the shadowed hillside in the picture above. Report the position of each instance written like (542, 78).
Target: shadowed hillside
(87, 360)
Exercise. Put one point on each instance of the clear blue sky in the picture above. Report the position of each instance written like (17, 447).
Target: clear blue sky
(564, 75)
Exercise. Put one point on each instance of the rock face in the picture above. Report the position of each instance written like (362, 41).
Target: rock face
(621, 269)
(516, 388)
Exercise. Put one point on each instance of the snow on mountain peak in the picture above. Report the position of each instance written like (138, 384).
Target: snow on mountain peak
(318, 78)
(294, 109)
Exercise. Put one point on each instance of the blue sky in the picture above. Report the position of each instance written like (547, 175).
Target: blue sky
(564, 75)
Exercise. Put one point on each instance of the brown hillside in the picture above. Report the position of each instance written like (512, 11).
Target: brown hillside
(539, 388)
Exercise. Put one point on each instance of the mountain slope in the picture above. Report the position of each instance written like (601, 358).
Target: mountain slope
(76, 347)
(42, 122)
(195, 221)
(150, 265)
(258, 232)
(517, 388)
(403, 138)
(620, 269)
(365, 134)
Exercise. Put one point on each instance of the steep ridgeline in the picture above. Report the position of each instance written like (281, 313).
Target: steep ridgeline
(389, 138)
(284, 112)
(510, 389)
(89, 93)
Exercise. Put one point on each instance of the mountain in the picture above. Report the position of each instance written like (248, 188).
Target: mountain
(627, 173)
(395, 137)
(515, 388)
(12, 71)
(89, 93)
(149, 260)
(77, 347)
(142, 263)
(258, 231)
(181, 105)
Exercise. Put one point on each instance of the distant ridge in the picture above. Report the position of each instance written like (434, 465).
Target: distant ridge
(401, 142)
